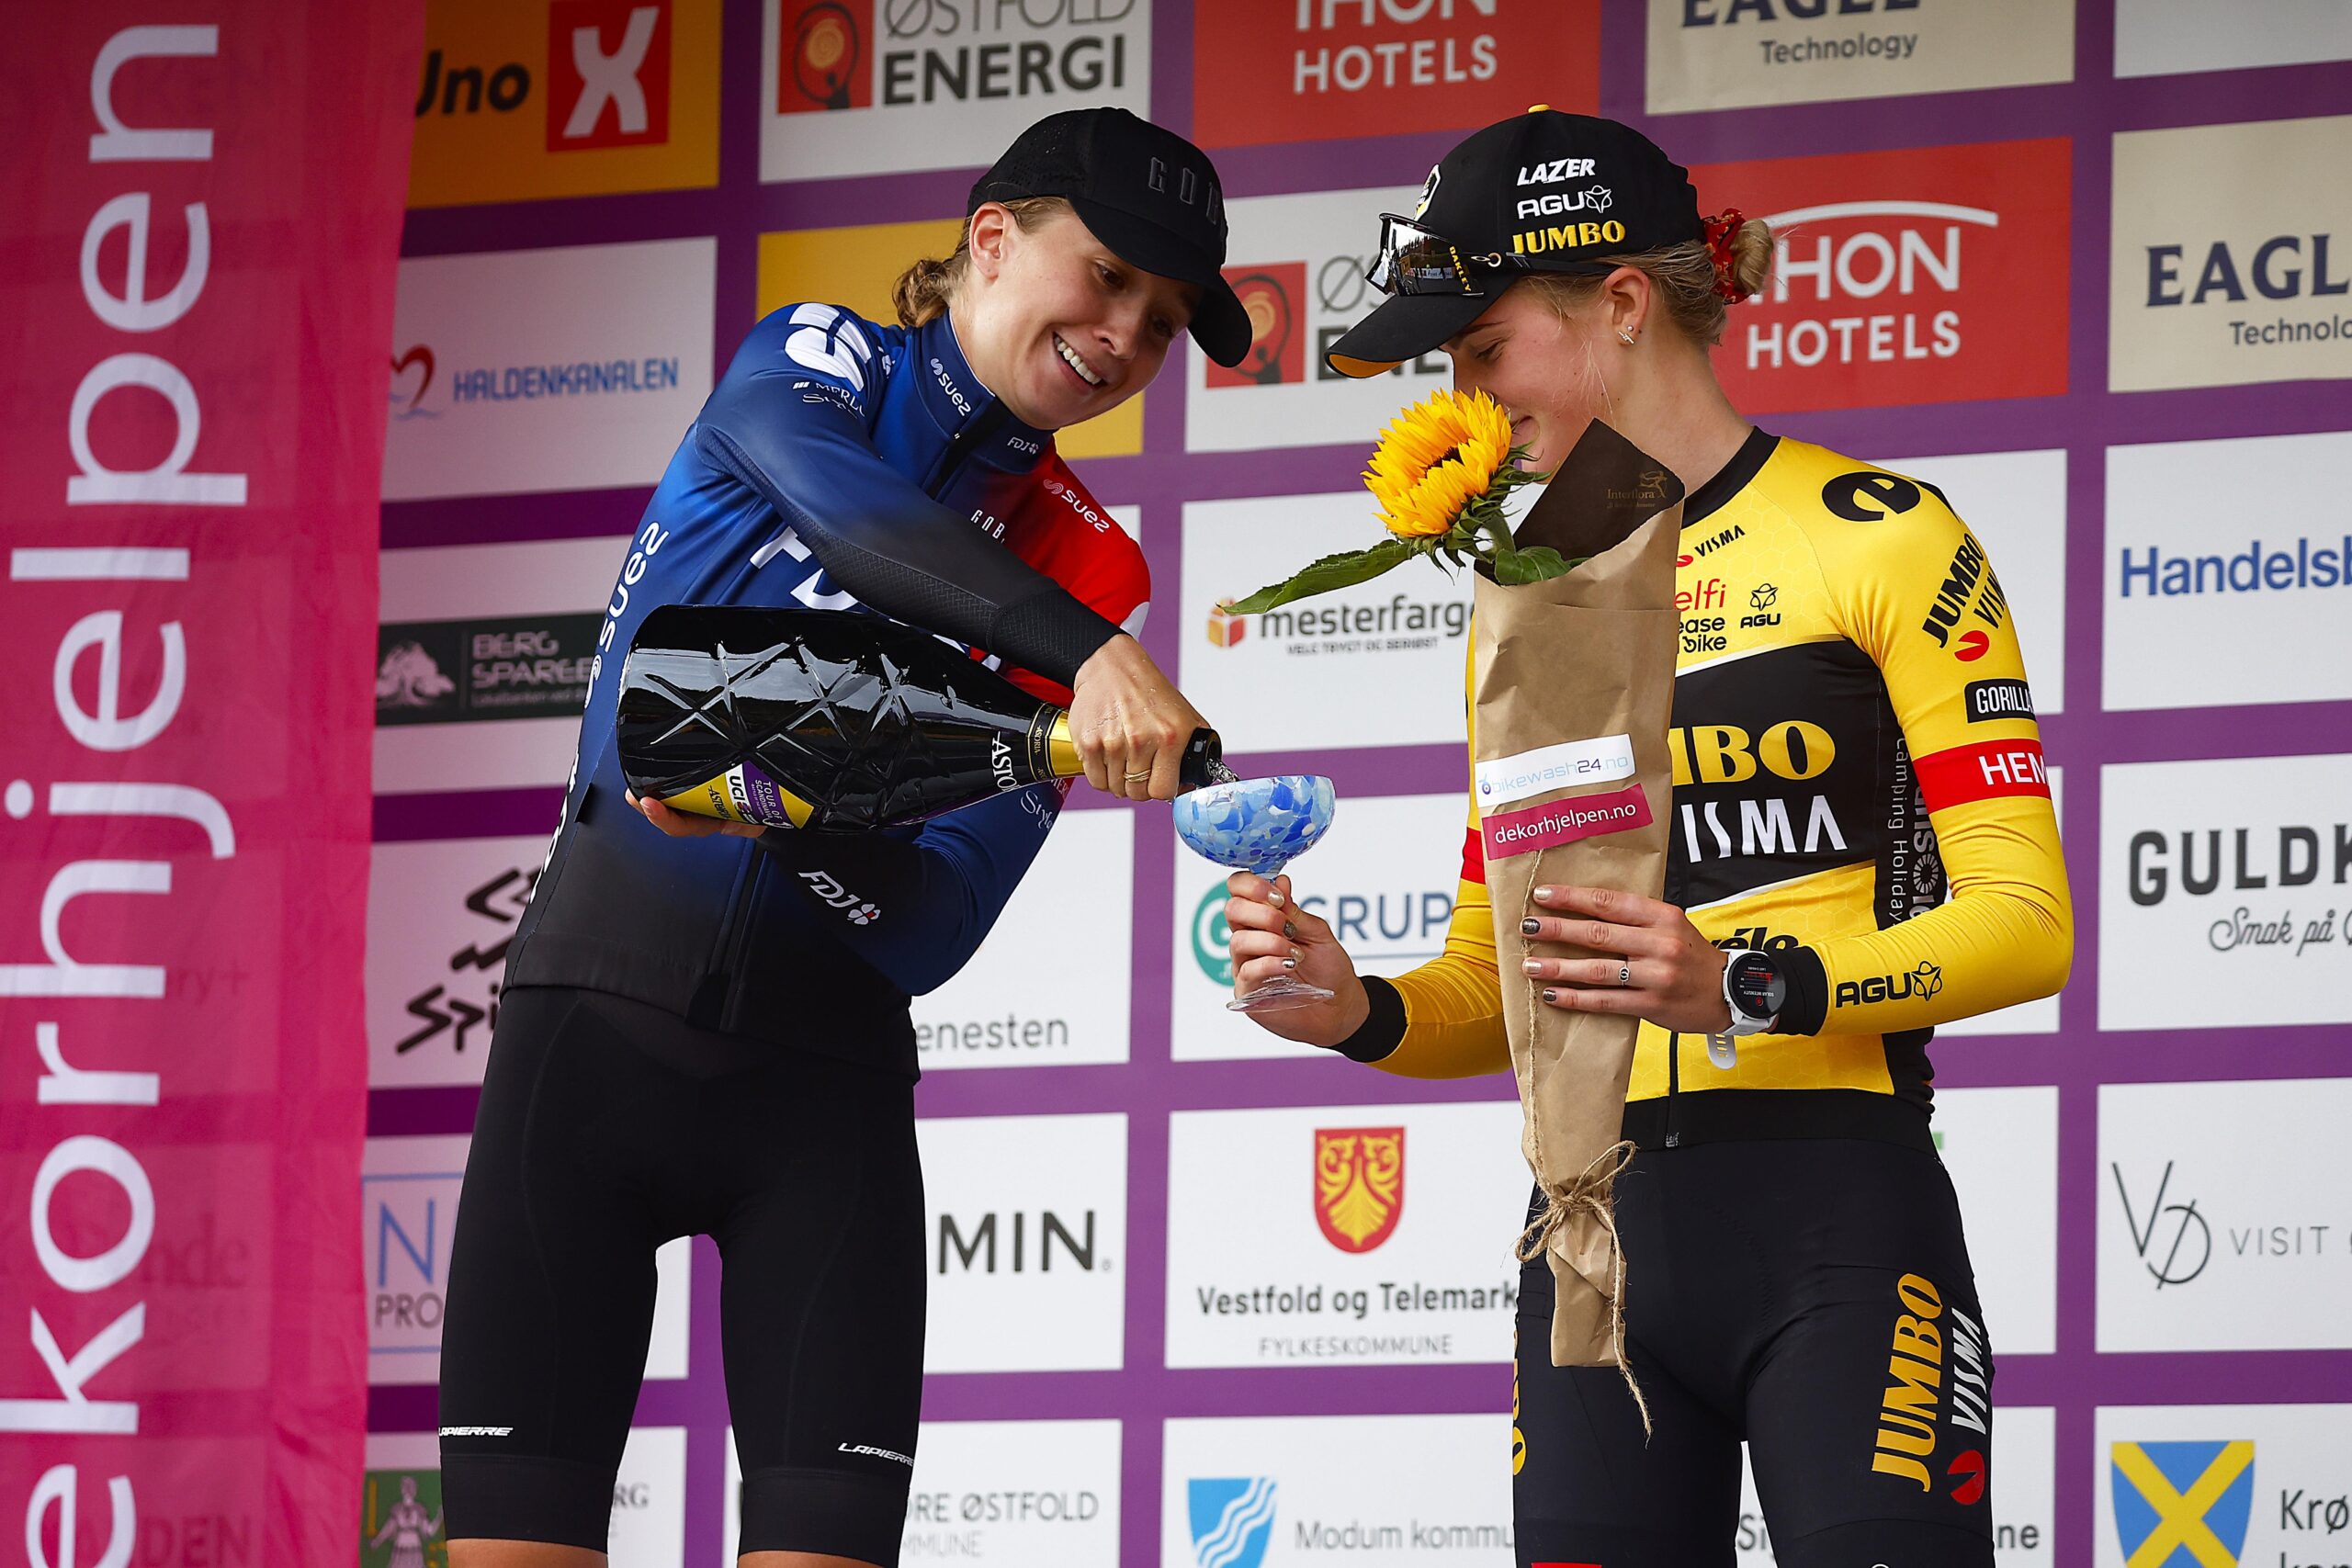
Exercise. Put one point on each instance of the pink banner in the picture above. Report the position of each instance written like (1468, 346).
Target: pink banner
(195, 289)
(1564, 821)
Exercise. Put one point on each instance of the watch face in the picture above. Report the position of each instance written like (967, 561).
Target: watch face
(1755, 985)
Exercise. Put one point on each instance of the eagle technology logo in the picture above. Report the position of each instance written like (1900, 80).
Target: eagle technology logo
(1232, 1520)
(1359, 1185)
(2182, 1505)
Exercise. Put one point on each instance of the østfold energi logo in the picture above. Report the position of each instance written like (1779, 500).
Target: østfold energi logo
(2182, 1505)
(1232, 1520)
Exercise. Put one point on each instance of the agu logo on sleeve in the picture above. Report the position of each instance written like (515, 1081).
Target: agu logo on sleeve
(1232, 1520)
(2182, 1505)
(1359, 1185)
(1913, 276)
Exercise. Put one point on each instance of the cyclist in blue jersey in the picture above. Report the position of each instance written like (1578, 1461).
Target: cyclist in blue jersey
(698, 1033)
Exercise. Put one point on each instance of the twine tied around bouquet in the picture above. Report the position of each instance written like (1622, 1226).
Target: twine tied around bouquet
(1591, 1193)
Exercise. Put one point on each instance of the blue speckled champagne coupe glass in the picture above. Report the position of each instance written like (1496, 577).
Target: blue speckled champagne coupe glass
(1259, 825)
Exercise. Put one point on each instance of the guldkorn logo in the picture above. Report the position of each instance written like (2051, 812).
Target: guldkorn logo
(1232, 1520)
(1359, 1185)
(2182, 1505)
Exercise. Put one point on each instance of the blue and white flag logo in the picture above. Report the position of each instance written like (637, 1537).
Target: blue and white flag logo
(1233, 1520)
(2180, 1505)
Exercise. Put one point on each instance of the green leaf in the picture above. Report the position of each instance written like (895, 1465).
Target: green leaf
(1516, 567)
(1342, 570)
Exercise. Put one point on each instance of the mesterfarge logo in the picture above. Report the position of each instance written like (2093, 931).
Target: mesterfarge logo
(1232, 1520)
(2182, 1505)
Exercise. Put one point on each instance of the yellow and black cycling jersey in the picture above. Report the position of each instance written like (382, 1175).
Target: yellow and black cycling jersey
(1858, 789)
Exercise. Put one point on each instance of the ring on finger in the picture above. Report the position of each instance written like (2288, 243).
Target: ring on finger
(1624, 973)
(1140, 774)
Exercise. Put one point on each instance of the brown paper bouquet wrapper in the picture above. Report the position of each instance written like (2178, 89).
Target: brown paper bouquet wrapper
(1579, 657)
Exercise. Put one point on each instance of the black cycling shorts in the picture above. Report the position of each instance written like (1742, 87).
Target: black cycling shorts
(608, 1127)
(1811, 1297)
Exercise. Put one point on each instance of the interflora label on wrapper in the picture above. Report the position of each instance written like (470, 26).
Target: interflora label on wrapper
(883, 87)
(1924, 276)
(1309, 70)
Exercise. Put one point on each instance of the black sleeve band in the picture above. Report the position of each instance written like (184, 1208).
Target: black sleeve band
(1807, 1007)
(1383, 1028)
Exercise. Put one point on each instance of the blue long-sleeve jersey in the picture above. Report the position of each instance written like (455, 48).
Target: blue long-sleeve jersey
(845, 465)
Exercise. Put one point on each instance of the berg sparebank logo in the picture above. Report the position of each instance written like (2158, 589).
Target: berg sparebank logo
(2182, 1505)
(1314, 70)
(857, 86)
(1232, 1520)
(1934, 275)
(572, 98)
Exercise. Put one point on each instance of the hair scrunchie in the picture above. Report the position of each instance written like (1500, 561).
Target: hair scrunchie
(1721, 229)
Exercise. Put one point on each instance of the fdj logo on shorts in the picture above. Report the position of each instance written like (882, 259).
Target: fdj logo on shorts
(1232, 1520)
(2183, 1503)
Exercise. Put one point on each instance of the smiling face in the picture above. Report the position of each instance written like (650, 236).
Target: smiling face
(1057, 326)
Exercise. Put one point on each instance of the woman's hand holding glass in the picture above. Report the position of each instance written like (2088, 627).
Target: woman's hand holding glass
(1272, 937)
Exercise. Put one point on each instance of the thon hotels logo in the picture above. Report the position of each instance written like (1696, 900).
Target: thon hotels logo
(1359, 1185)
(1910, 276)
(1232, 1520)
(2182, 1504)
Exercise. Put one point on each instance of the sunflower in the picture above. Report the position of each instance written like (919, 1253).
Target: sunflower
(1435, 459)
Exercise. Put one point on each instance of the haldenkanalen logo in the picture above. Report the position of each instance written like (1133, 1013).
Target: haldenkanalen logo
(411, 378)
(824, 64)
(1232, 1520)
(2183, 1505)
(1359, 1185)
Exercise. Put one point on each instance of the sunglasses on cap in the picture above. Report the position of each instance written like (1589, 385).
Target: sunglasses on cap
(1413, 260)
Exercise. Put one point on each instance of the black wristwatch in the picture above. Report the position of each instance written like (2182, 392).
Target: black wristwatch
(1756, 990)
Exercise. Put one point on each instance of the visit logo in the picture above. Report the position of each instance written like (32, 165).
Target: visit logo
(1232, 1520)
(2173, 1240)
(2182, 1505)
(1274, 297)
(824, 64)
(1359, 1185)
(1905, 277)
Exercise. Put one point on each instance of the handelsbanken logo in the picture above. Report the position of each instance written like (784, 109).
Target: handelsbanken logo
(823, 64)
(2183, 1505)
(1359, 1185)
(1275, 296)
(1232, 1520)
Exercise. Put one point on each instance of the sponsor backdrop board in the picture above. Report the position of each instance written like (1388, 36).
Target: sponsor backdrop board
(2084, 266)
(2235, 1483)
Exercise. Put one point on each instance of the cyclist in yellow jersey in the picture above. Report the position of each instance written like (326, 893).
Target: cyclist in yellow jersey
(1862, 847)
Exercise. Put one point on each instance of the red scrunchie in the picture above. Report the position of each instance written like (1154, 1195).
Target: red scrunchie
(1721, 229)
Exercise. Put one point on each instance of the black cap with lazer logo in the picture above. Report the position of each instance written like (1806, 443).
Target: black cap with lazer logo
(1540, 192)
(1150, 195)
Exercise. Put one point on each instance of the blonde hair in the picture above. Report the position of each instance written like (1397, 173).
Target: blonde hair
(1684, 276)
(923, 290)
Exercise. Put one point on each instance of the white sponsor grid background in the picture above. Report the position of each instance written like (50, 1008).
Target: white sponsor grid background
(2236, 1484)
(2024, 1489)
(2086, 266)
(2224, 1216)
